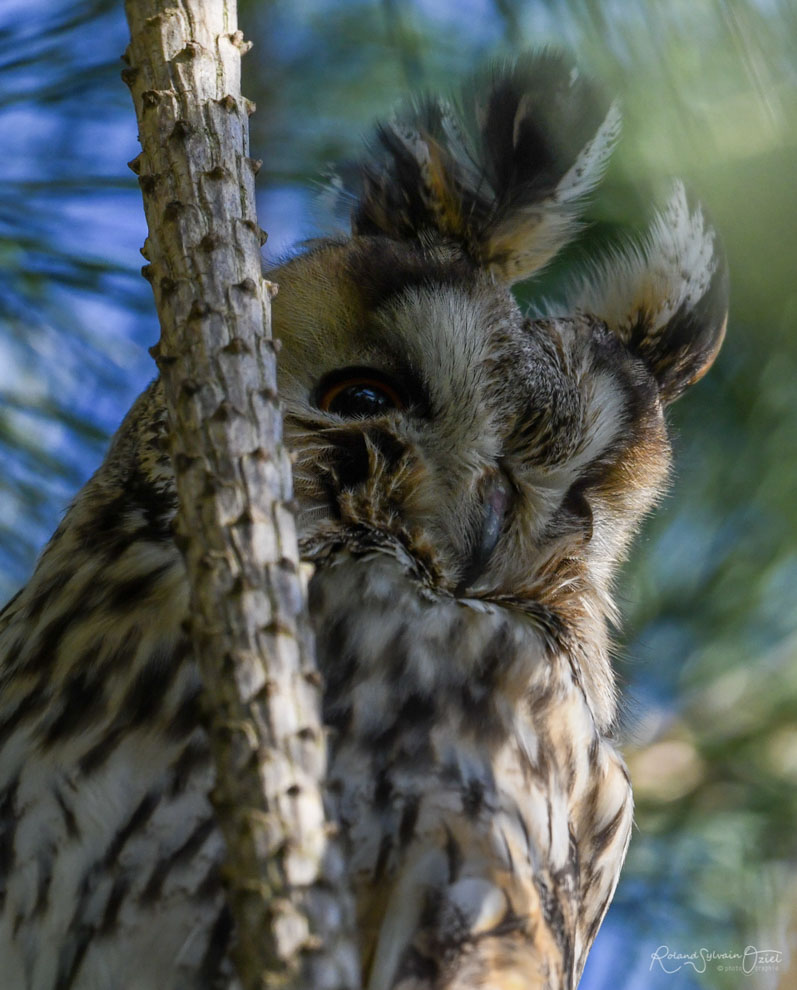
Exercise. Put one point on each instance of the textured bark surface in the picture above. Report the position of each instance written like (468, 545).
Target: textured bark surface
(285, 876)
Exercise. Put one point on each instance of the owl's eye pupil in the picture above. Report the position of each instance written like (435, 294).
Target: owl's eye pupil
(360, 400)
(358, 394)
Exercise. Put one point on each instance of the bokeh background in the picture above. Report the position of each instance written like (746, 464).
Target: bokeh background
(708, 652)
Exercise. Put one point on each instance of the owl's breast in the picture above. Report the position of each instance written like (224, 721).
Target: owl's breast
(467, 775)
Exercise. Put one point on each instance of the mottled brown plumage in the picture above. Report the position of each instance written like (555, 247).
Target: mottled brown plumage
(467, 479)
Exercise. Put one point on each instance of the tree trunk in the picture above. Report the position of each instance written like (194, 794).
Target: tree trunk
(285, 875)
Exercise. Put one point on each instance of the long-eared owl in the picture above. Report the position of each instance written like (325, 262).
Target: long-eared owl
(467, 478)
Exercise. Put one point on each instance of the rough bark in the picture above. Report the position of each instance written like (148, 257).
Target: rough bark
(285, 877)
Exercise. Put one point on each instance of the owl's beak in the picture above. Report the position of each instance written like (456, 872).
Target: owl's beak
(496, 499)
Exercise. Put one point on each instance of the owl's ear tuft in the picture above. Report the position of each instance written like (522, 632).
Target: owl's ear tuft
(502, 172)
(666, 297)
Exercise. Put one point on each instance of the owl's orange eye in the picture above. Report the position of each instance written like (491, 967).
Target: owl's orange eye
(359, 392)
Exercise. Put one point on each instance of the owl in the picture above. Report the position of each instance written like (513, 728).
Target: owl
(467, 478)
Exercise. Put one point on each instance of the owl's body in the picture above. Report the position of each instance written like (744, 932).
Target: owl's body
(466, 481)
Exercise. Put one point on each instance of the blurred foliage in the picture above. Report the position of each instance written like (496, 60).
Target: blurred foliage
(709, 649)
(71, 304)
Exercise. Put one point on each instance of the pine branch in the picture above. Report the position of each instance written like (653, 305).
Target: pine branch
(284, 874)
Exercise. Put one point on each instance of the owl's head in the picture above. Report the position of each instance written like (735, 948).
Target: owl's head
(505, 457)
